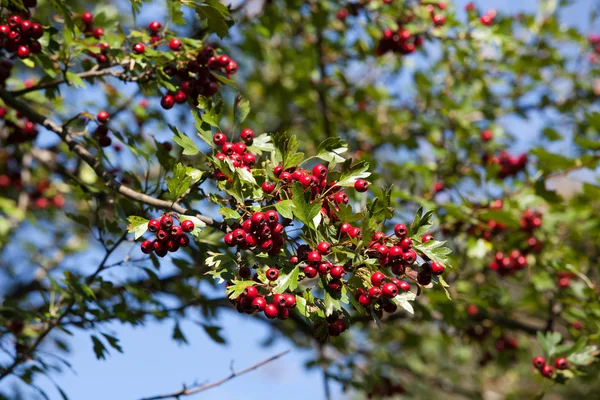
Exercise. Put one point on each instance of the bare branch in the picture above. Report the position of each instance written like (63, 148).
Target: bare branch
(188, 392)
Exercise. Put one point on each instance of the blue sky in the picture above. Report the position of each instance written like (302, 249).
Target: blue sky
(154, 364)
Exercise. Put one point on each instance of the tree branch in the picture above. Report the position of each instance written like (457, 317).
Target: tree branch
(188, 392)
(88, 158)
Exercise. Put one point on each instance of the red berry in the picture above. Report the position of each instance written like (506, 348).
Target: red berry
(324, 268)
(294, 260)
(166, 222)
(154, 26)
(374, 292)
(395, 252)
(259, 303)
(239, 236)
(355, 233)
(175, 44)
(439, 20)
(250, 292)
(426, 238)
(364, 300)
(389, 290)
(224, 60)
(147, 247)
(472, 310)
(180, 97)
(437, 268)
(87, 17)
(539, 362)
(258, 218)
(268, 187)
(345, 228)
(487, 135)
(98, 32)
(320, 171)
(229, 239)
(153, 225)
(547, 371)
(409, 257)
(361, 185)
(23, 52)
(183, 241)
(231, 68)
(324, 248)
(310, 271)
(249, 160)
(377, 278)
(561, 363)
(272, 274)
(271, 311)
(139, 48)
(314, 257)
(103, 117)
(285, 176)
(247, 135)
(404, 286)
(337, 272)
(340, 197)
(176, 231)
(162, 235)
(167, 102)
(335, 285)
(401, 230)
(290, 301)
(219, 139)
(228, 148)
(187, 225)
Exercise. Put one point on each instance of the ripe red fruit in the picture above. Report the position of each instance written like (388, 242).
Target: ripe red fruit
(272, 274)
(395, 252)
(547, 371)
(472, 310)
(294, 260)
(239, 148)
(166, 222)
(183, 241)
(187, 225)
(219, 139)
(361, 185)
(364, 300)
(23, 52)
(271, 311)
(404, 286)
(98, 32)
(401, 230)
(35, 47)
(279, 300)
(250, 292)
(154, 26)
(103, 117)
(175, 44)
(382, 250)
(539, 362)
(377, 278)
(87, 17)
(176, 231)
(340, 197)
(437, 268)
(228, 148)
(147, 247)
(335, 285)
(268, 187)
(409, 257)
(249, 160)
(239, 236)
(561, 363)
(324, 268)
(337, 272)
(439, 19)
(310, 271)
(259, 303)
(406, 244)
(229, 239)
(374, 292)
(283, 313)
(324, 248)
(285, 176)
(426, 238)
(139, 48)
(258, 218)
(320, 171)
(180, 97)
(247, 135)
(355, 233)
(314, 257)
(486, 19)
(278, 170)
(487, 135)
(290, 300)
(344, 228)
(153, 225)
(231, 68)
(224, 60)
(162, 235)
(389, 290)
(167, 102)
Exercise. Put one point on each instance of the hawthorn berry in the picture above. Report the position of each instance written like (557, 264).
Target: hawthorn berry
(153, 225)
(324, 248)
(187, 225)
(228, 238)
(271, 311)
(139, 48)
(547, 371)
(175, 44)
(377, 278)
(389, 290)
(268, 187)
(166, 222)
(167, 102)
(324, 268)
(426, 238)
(290, 301)
(272, 274)
(103, 117)
(355, 233)
(487, 135)
(561, 363)
(320, 170)
(374, 292)
(147, 247)
(340, 197)
(219, 139)
(364, 300)
(87, 17)
(337, 272)
(247, 135)
(401, 230)
(23, 52)
(154, 26)
(310, 271)
(361, 185)
(404, 286)
(437, 268)
(314, 257)
(259, 303)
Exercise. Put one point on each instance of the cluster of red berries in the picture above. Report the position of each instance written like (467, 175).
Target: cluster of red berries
(154, 28)
(515, 261)
(19, 35)
(509, 165)
(44, 196)
(486, 19)
(169, 237)
(336, 325)
(547, 370)
(399, 41)
(251, 301)
(236, 152)
(564, 279)
(262, 232)
(101, 133)
(594, 40)
(88, 21)
(197, 77)
(8, 180)
(21, 132)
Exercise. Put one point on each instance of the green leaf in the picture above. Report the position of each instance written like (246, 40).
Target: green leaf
(114, 342)
(237, 288)
(549, 342)
(189, 147)
(222, 266)
(75, 80)
(179, 183)
(137, 225)
(331, 303)
(350, 175)
(285, 208)
(99, 348)
(551, 162)
(216, 15)
(421, 222)
(434, 251)
(261, 143)
(241, 109)
(228, 213)
(178, 335)
(245, 176)
(303, 209)
(213, 332)
(289, 281)
(330, 149)
(403, 299)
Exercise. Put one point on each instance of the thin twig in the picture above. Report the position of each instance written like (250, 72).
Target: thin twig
(188, 392)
